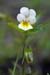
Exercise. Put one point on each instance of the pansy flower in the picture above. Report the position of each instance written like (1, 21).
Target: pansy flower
(26, 17)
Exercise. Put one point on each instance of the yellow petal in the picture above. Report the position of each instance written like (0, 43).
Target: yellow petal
(25, 26)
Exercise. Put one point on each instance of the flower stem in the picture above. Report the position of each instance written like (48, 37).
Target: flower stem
(15, 64)
(24, 46)
(13, 72)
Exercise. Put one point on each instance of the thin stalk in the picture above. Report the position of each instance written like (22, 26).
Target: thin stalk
(13, 72)
(23, 69)
(24, 46)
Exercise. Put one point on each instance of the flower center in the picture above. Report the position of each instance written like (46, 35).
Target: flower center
(25, 24)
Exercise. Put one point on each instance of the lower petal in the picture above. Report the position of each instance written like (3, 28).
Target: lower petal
(24, 27)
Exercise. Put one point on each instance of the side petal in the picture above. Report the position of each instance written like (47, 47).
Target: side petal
(32, 19)
(20, 17)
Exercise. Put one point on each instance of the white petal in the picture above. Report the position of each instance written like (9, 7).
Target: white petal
(32, 12)
(24, 11)
(24, 28)
(20, 17)
(32, 19)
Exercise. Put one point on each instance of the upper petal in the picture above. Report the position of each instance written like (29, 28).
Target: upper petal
(20, 17)
(24, 11)
(32, 12)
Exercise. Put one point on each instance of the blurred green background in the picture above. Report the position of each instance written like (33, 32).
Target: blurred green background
(11, 39)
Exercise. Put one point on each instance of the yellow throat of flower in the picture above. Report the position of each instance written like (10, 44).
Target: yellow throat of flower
(25, 24)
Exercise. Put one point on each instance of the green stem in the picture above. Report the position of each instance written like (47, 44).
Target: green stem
(24, 46)
(13, 72)
(23, 69)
